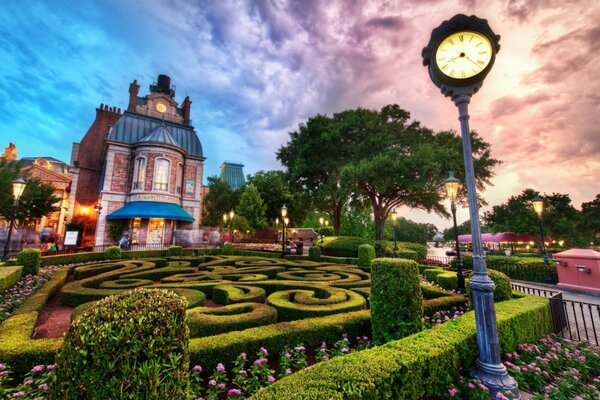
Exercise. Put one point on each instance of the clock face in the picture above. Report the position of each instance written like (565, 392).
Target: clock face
(161, 107)
(463, 54)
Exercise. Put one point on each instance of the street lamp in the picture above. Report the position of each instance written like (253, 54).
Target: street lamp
(18, 187)
(538, 207)
(452, 191)
(321, 222)
(231, 231)
(283, 222)
(394, 219)
(277, 228)
(459, 55)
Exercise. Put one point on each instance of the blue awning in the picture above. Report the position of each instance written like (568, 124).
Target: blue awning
(151, 209)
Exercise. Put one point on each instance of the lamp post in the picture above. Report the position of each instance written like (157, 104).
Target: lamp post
(283, 222)
(452, 191)
(277, 228)
(321, 222)
(538, 207)
(394, 219)
(231, 231)
(459, 55)
(18, 187)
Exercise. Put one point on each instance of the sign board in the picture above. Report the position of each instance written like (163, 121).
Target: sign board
(189, 186)
(71, 238)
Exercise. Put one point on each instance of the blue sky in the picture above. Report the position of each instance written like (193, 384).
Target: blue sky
(255, 69)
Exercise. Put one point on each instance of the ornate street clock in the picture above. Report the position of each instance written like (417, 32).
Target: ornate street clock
(461, 51)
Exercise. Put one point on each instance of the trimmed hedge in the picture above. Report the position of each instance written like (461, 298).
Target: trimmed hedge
(415, 367)
(343, 246)
(228, 249)
(396, 299)
(232, 294)
(175, 251)
(113, 253)
(366, 253)
(9, 276)
(314, 253)
(129, 346)
(314, 302)
(431, 274)
(30, 259)
(205, 321)
(531, 269)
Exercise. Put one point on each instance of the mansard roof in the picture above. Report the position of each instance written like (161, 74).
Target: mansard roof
(161, 135)
(132, 128)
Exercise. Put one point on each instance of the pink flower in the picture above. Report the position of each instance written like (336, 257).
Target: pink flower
(243, 372)
(220, 367)
(197, 368)
(221, 386)
(264, 351)
(212, 382)
(234, 392)
(43, 386)
(501, 396)
(453, 391)
(471, 385)
(38, 368)
(271, 379)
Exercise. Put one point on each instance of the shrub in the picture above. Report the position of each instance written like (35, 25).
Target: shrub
(128, 346)
(430, 274)
(530, 269)
(411, 251)
(327, 231)
(447, 280)
(421, 366)
(205, 321)
(314, 253)
(30, 259)
(175, 251)
(503, 289)
(228, 249)
(343, 246)
(366, 253)
(9, 276)
(396, 299)
(113, 253)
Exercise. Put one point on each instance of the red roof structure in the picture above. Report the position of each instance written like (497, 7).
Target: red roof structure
(504, 237)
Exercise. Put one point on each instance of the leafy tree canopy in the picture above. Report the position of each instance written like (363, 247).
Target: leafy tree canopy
(406, 230)
(221, 199)
(252, 207)
(463, 229)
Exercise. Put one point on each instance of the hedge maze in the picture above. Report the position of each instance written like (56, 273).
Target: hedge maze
(245, 292)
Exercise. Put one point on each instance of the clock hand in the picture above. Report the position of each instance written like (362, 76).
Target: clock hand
(469, 58)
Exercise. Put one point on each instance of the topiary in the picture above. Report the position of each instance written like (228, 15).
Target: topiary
(396, 299)
(175, 250)
(503, 289)
(314, 253)
(113, 253)
(366, 253)
(228, 249)
(129, 346)
(30, 259)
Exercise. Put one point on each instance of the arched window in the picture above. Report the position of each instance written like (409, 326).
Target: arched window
(139, 173)
(162, 167)
(179, 180)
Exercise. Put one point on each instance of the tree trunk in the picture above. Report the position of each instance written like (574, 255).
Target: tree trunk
(379, 215)
(336, 217)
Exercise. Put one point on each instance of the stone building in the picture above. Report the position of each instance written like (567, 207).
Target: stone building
(140, 170)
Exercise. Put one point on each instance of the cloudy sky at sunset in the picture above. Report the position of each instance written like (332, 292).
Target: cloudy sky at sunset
(255, 69)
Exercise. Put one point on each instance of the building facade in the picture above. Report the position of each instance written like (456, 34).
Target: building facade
(139, 171)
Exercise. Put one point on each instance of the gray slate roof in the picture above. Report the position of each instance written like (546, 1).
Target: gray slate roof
(160, 135)
(132, 128)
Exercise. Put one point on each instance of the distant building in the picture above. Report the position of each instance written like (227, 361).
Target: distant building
(141, 169)
(232, 172)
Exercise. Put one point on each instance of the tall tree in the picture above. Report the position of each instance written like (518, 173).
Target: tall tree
(252, 207)
(590, 221)
(463, 229)
(561, 219)
(314, 157)
(409, 231)
(396, 162)
(221, 199)
(37, 200)
(276, 190)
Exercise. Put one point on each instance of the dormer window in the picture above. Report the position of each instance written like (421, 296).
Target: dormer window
(162, 168)
(139, 173)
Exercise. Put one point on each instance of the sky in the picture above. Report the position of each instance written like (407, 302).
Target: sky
(255, 69)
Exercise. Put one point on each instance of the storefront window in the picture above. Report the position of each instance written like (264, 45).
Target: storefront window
(161, 174)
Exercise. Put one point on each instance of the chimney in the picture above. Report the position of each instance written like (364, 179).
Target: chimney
(187, 108)
(134, 89)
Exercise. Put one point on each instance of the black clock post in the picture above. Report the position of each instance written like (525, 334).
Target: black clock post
(458, 64)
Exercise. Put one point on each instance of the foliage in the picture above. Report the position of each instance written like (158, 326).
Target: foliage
(113, 253)
(366, 253)
(37, 201)
(396, 299)
(8, 277)
(357, 221)
(228, 248)
(115, 230)
(220, 199)
(276, 189)
(94, 363)
(343, 246)
(416, 367)
(252, 207)
(394, 162)
(30, 259)
(463, 229)
(590, 218)
(174, 251)
(314, 253)
(561, 219)
(530, 269)
(406, 230)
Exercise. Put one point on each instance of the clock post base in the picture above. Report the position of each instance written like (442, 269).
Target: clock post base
(497, 379)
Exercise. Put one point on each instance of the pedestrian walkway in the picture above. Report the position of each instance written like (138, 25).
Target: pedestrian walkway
(568, 294)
